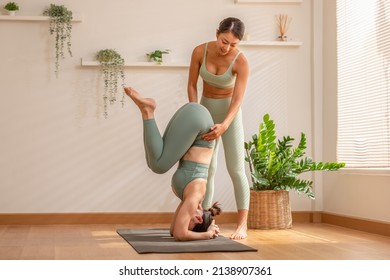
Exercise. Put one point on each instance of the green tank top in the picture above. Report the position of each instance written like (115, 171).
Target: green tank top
(225, 80)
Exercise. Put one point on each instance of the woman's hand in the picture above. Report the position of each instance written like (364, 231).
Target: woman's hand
(215, 132)
(213, 229)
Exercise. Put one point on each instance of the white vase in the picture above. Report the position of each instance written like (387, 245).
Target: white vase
(11, 13)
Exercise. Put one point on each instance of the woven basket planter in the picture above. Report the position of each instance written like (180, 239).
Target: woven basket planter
(269, 210)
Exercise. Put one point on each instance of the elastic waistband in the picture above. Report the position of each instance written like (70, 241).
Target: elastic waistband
(190, 164)
(208, 99)
(216, 106)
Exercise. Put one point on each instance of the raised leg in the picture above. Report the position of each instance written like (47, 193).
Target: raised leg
(162, 152)
(146, 105)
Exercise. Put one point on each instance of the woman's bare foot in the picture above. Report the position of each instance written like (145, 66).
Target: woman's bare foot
(241, 231)
(146, 105)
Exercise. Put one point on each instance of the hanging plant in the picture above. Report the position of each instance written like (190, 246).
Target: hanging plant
(61, 28)
(112, 68)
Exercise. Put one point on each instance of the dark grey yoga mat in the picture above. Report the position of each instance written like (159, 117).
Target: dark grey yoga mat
(160, 241)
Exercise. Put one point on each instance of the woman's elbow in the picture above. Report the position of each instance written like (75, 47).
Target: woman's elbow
(180, 237)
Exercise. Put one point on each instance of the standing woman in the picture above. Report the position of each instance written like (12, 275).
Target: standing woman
(224, 70)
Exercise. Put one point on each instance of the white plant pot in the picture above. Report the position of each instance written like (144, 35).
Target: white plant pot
(11, 13)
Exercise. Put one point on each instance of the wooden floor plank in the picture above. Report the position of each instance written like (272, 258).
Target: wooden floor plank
(305, 241)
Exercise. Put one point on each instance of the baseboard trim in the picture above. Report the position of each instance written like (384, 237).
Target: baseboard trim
(115, 218)
(370, 226)
(96, 218)
(376, 227)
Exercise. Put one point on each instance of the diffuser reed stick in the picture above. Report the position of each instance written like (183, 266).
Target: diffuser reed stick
(283, 21)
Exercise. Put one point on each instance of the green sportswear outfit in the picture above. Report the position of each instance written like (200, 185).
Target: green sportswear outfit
(233, 138)
(183, 131)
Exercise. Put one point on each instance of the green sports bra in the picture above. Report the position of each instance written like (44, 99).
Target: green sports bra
(225, 80)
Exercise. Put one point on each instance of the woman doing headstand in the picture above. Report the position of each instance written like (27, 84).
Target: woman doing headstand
(182, 142)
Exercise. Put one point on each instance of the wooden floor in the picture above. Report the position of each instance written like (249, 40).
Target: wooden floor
(101, 242)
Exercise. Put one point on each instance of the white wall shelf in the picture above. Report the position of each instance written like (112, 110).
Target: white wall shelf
(268, 1)
(94, 63)
(77, 18)
(271, 43)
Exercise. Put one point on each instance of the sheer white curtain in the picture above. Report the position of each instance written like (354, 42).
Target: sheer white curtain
(363, 65)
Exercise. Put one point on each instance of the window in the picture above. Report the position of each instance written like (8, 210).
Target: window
(363, 69)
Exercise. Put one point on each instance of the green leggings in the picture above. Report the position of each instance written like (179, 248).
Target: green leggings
(233, 144)
(183, 131)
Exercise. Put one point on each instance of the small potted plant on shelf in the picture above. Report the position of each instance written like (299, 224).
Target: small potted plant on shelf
(11, 8)
(157, 56)
(112, 68)
(61, 28)
(275, 168)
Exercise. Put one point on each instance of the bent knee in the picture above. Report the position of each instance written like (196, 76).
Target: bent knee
(159, 169)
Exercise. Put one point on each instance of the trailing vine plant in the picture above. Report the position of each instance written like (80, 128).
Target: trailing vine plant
(112, 68)
(61, 28)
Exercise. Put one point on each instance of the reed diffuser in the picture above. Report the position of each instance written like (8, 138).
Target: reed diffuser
(283, 21)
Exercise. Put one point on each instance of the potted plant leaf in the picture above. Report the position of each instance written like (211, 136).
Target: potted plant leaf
(275, 166)
(112, 68)
(61, 28)
(11, 8)
(157, 56)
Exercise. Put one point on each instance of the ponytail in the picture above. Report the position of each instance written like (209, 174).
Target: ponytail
(207, 217)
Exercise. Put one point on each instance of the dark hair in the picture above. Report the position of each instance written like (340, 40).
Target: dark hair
(208, 217)
(233, 25)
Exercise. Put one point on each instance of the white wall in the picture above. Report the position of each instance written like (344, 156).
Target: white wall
(354, 194)
(58, 152)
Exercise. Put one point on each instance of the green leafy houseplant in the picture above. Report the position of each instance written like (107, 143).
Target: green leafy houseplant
(157, 55)
(61, 27)
(112, 68)
(11, 6)
(276, 165)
